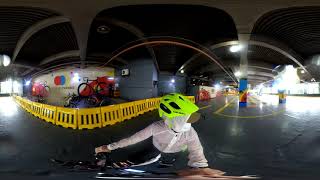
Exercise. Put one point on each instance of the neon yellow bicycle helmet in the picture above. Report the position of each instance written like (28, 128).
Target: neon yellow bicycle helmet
(175, 104)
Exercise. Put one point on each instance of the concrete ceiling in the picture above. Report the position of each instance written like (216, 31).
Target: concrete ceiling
(47, 34)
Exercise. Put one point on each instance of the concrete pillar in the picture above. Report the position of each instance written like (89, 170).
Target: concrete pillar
(243, 82)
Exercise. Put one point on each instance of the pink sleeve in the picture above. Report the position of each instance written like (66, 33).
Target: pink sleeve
(196, 156)
(137, 137)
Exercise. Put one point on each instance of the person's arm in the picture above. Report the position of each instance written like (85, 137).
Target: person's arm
(137, 137)
(196, 156)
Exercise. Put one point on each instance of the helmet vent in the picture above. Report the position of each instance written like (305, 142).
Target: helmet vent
(166, 99)
(164, 108)
(181, 98)
(174, 105)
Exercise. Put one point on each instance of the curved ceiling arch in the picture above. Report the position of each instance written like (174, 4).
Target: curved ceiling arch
(297, 27)
(15, 20)
(49, 41)
(34, 29)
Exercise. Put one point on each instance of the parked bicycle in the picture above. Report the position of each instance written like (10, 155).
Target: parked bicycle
(72, 100)
(40, 91)
(98, 88)
(93, 93)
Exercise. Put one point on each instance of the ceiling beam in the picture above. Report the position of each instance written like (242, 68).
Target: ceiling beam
(62, 55)
(34, 29)
(48, 69)
(25, 66)
(213, 47)
(260, 67)
(104, 56)
(27, 72)
(258, 78)
(257, 73)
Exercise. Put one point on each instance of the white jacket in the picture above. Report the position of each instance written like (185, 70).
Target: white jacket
(168, 141)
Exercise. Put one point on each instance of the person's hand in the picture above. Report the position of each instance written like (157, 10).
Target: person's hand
(101, 149)
(200, 172)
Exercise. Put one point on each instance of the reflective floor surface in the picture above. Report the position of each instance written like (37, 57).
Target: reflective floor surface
(276, 141)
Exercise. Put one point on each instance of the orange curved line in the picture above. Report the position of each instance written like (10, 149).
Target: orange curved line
(168, 42)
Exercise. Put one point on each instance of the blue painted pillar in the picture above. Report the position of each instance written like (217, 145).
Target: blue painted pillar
(243, 82)
(282, 96)
(243, 91)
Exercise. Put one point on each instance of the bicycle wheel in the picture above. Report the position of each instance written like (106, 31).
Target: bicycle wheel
(91, 101)
(74, 101)
(72, 105)
(85, 90)
(35, 91)
(102, 88)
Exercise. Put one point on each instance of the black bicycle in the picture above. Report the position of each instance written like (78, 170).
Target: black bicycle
(72, 101)
(107, 168)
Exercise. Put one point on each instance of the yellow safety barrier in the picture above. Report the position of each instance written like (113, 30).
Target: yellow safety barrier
(89, 118)
(151, 104)
(21, 103)
(67, 117)
(141, 106)
(36, 109)
(111, 115)
(128, 110)
(24, 103)
(157, 100)
(191, 98)
(28, 106)
(49, 113)
(18, 100)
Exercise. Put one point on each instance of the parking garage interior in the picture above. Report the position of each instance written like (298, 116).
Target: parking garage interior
(252, 68)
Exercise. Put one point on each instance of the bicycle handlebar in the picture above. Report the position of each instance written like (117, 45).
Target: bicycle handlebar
(111, 163)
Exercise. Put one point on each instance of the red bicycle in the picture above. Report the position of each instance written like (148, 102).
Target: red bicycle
(96, 87)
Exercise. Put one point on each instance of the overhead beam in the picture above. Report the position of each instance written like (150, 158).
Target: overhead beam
(46, 70)
(215, 46)
(27, 72)
(62, 55)
(260, 74)
(259, 67)
(25, 66)
(34, 29)
(107, 55)
(258, 78)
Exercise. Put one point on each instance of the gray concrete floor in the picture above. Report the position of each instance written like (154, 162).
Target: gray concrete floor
(276, 141)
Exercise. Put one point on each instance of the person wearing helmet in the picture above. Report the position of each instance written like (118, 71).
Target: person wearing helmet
(172, 133)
